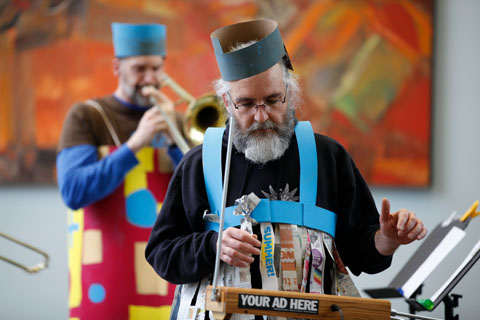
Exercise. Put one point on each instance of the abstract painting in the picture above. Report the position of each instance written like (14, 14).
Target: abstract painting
(365, 67)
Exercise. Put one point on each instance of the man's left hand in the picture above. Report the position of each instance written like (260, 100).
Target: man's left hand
(401, 227)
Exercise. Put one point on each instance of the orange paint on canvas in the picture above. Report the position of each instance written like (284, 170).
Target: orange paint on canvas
(67, 57)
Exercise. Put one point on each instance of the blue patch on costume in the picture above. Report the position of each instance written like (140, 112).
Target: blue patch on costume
(141, 208)
(159, 141)
(96, 293)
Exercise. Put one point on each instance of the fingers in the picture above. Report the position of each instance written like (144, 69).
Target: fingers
(161, 98)
(235, 258)
(149, 91)
(241, 240)
(385, 212)
(405, 221)
(422, 234)
(150, 124)
(403, 225)
(156, 119)
(238, 246)
(417, 231)
(410, 226)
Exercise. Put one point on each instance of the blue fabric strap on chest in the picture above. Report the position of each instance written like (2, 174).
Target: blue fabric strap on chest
(307, 152)
(303, 213)
(212, 167)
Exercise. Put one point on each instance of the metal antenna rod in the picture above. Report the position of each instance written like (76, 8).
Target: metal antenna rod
(222, 212)
(415, 316)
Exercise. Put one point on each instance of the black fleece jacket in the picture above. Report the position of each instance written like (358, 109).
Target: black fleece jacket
(181, 251)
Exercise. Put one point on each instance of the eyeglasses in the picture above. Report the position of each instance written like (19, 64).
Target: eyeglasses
(269, 105)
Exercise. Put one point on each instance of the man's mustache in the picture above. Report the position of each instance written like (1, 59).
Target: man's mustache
(267, 125)
(139, 88)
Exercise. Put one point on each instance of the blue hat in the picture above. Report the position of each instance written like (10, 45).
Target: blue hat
(138, 39)
(254, 59)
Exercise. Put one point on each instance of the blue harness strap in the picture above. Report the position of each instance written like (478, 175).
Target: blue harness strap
(307, 152)
(303, 213)
(212, 167)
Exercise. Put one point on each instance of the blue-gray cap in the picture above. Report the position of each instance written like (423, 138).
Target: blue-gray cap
(138, 39)
(253, 59)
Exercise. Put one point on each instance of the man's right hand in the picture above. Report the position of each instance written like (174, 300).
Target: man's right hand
(238, 246)
(151, 123)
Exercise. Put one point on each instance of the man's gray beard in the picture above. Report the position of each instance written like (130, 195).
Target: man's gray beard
(263, 147)
(135, 95)
(140, 100)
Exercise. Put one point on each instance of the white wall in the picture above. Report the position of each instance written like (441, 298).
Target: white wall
(37, 215)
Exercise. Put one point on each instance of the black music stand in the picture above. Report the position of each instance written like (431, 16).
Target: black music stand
(443, 294)
(408, 282)
(426, 258)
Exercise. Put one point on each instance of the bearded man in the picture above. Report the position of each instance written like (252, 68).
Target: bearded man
(313, 214)
(115, 159)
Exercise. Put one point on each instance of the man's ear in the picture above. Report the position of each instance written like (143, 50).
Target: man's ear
(116, 66)
(225, 101)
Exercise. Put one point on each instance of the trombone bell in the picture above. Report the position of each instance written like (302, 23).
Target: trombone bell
(203, 112)
(206, 111)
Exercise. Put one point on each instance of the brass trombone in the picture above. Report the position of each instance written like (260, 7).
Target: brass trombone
(203, 112)
(33, 269)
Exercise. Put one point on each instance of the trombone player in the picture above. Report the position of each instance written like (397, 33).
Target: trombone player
(115, 159)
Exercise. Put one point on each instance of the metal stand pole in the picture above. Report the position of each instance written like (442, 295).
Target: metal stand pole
(222, 212)
(450, 304)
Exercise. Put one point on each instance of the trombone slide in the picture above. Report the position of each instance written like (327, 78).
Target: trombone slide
(176, 135)
(33, 269)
